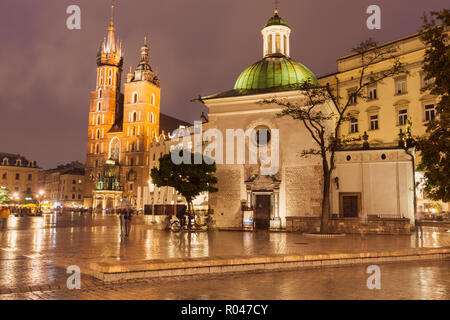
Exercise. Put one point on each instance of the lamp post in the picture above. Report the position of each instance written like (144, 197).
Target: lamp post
(406, 141)
(151, 188)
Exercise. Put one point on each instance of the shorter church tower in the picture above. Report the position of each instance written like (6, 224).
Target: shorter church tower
(141, 113)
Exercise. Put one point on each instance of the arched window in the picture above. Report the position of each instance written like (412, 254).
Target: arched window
(152, 118)
(135, 97)
(5, 161)
(98, 119)
(114, 149)
(110, 77)
(133, 133)
(97, 148)
(18, 162)
(99, 106)
(100, 93)
(98, 134)
(277, 43)
(153, 99)
(134, 116)
(270, 44)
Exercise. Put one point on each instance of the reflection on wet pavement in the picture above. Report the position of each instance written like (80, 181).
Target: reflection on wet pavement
(427, 280)
(37, 250)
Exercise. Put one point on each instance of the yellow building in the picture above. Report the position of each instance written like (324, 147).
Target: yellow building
(391, 102)
(63, 186)
(121, 127)
(18, 175)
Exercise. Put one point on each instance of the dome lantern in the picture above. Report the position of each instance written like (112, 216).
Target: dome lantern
(276, 34)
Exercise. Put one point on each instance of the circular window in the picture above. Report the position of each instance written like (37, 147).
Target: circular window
(262, 135)
(383, 156)
(349, 158)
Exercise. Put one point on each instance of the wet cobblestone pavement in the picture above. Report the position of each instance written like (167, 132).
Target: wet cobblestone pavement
(35, 251)
(428, 280)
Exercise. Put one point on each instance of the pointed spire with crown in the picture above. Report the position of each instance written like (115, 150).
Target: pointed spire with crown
(111, 48)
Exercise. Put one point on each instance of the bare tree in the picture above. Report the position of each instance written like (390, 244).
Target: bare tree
(323, 113)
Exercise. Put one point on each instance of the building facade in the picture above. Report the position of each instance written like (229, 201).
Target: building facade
(391, 104)
(291, 195)
(122, 127)
(19, 175)
(63, 185)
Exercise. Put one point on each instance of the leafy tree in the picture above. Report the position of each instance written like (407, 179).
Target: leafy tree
(4, 196)
(434, 146)
(323, 113)
(189, 180)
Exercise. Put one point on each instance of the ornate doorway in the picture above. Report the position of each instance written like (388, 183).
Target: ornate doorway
(263, 197)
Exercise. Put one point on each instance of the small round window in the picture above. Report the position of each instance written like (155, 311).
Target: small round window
(262, 135)
(383, 156)
(349, 158)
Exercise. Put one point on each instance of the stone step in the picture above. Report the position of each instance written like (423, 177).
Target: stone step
(113, 270)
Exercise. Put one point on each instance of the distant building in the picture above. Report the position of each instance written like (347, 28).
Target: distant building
(18, 175)
(63, 185)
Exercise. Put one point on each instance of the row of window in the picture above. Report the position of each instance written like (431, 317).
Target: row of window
(134, 116)
(402, 117)
(74, 197)
(5, 162)
(400, 88)
(73, 189)
(28, 190)
(110, 75)
(17, 176)
(134, 99)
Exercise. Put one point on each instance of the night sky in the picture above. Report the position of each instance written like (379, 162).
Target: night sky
(196, 46)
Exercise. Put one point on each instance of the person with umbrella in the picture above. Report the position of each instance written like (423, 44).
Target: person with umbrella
(125, 218)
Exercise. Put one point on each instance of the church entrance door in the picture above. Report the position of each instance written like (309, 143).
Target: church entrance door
(262, 211)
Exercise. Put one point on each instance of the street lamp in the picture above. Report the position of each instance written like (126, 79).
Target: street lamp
(151, 188)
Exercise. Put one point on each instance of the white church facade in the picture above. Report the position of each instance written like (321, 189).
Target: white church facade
(374, 184)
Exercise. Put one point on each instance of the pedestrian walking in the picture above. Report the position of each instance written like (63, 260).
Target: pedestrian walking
(127, 220)
(363, 225)
(419, 218)
(122, 222)
(4, 215)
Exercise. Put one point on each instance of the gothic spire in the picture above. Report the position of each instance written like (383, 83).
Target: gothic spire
(111, 44)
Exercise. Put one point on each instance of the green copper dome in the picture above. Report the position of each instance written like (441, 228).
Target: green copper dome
(276, 21)
(273, 72)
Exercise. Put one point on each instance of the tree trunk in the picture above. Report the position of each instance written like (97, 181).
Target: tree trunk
(325, 200)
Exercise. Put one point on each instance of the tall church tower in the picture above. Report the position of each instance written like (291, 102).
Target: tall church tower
(140, 121)
(105, 105)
